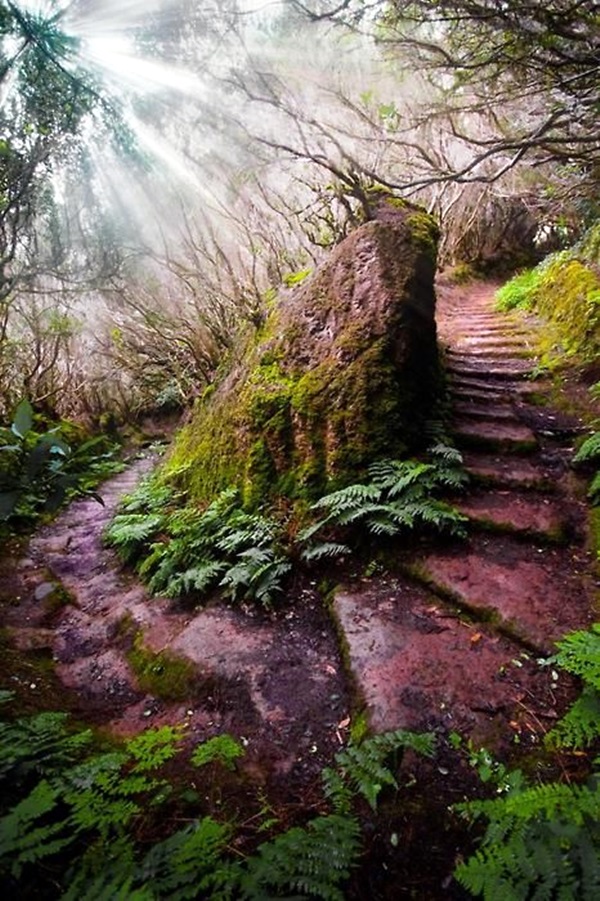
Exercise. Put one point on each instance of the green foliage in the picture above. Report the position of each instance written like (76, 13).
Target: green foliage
(296, 278)
(543, 841)
(399, 497)
(519, 292)
(579, 653)
(363, 768)
(316, 859)
(312, 861)
(222, 749)
(39, 470)
(184, 550)
(589, 452)
(86, 814)
(565, 290)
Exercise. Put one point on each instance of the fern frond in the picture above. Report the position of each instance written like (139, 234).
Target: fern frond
(40, 744)
(579, 653)
(364, 765)
(130, 532)
(580, 726)
(446, 452)
(589, 450)
(326, 549)
(594, 489)
(189, 864)
(395, 476)
(313, 861)
(150, 749)
(222, 748)
(199, 578)
(25, 838)
(346, 499)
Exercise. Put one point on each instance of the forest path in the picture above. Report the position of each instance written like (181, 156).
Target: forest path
(451, 641)
(447, 641)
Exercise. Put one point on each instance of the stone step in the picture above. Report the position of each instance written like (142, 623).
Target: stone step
(492, 352)
(533, 594)
(511, 472)
(492, 409)
(493, 387)
(414, 660)
(492, 434)
(505, 510)
(490, 364)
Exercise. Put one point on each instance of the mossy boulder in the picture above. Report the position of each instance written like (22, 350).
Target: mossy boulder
(343, 372)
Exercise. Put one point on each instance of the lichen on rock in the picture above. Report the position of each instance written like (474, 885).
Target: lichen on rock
(343, 372)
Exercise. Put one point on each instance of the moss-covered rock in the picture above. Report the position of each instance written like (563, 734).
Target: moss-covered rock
(343, 372)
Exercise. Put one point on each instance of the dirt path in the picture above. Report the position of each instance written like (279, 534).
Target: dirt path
(449, 641)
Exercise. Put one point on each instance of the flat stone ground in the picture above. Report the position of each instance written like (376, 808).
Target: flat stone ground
(450, 640)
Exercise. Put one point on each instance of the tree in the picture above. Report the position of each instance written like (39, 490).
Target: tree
(530, 71)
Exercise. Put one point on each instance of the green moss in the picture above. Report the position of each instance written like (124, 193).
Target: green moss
(568, 296)
(164, 675)
(425, 231)
(280, 428)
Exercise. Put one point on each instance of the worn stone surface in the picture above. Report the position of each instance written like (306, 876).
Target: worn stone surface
(444, 647)
(420, 664)
(535, 515)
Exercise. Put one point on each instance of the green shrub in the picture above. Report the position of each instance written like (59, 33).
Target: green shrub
(399, 497)
(181, 550)
(76, 822)
(543, 840)
(39, 470)
(519, 293)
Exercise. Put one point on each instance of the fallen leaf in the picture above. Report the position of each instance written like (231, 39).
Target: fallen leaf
(475, 637)
(344, 723)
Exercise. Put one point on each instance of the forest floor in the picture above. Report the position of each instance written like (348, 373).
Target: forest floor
(447, 638)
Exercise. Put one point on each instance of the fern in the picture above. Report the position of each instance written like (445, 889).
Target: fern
(24, 836)
(129, 532)
(541, 842)
(589, 450)
(326, 549)
(400, 496)
(221, 748)
(312, 861)
(221, 547)
(189, 863)
(40, 745)
(579, 653)
(364, 765)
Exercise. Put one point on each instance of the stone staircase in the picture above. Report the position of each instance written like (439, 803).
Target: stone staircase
(451, 640)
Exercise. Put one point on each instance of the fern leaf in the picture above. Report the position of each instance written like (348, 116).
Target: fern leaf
(221, 748)
(589, 450)
(594, 489)
(364, 765)
(201, 578)
(189, 864)
(579, 653)
(24, 838)
(326, 549)
(314, 860)
(580, 726)
(350, 498)
(152, 748)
